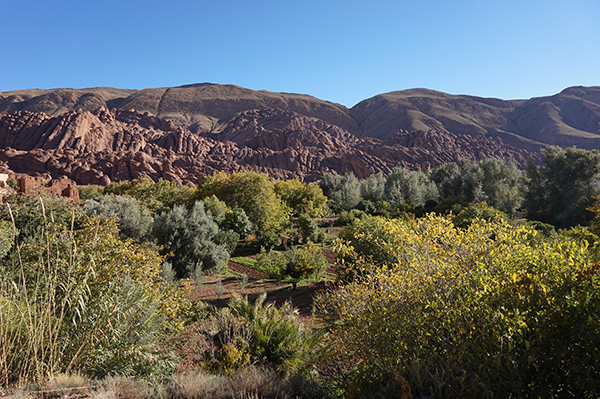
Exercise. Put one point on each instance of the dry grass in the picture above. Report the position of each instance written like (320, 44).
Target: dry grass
(199, 385)
(64, 381)
(250, 383)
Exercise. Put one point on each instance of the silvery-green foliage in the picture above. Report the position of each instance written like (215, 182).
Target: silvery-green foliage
(189, 239)
(134, 221)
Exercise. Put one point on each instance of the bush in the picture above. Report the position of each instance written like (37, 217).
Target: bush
(83, 301)
(189, 238)
(347, 217)
(309, 230)
(12, 183)
(278, 339)
(475, 212)
(274, 263)
(7, 233)
(483, 311)
(306, 261)
(90, 192)
(134, 221)
(31, 214)
(247, 333)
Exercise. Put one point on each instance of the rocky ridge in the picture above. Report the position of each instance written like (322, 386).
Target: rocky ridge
(571, 117)
(100, 146)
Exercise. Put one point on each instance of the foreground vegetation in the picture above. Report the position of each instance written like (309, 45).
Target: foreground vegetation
(444, 288)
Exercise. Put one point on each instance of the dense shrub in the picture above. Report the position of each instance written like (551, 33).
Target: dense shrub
(306, 261)
(483, 311)
(245, 333)
(7, 236)
(83, 301)
(309, 231)
(90, 192)
(302, 262)
(30, 214)
(476, 212)
(274, 263)
(278, 338)
(134, 221)
(189, 239)
(347, 217)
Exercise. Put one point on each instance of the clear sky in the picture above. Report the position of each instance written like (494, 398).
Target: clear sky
(341, 51)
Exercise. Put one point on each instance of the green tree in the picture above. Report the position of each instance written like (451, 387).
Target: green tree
(217, 208)
(157, 196)
(309, 231)
(306, 261)
(302, 199)
(494, 181)
(560, 191)
(372, 188)
(343, 190)
(237, 220)
(502, 184)
(189, 239)
(409, 187)
(254, 193)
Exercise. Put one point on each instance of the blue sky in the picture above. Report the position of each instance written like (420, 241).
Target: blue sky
(341, 51)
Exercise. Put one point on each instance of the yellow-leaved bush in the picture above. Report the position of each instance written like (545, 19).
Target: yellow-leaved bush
(489, 310)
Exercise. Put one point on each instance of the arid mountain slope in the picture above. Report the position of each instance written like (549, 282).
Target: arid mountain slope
(571, 117)
(107, 145)
(202, 107)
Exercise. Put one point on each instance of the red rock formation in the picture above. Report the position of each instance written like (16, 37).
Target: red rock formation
(103, 146)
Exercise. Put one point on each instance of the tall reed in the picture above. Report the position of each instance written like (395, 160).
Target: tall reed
(66, 306)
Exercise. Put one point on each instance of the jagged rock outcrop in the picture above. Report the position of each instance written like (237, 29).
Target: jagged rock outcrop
(202, 107)
(280, 129)
(107, 145)
(571, 117)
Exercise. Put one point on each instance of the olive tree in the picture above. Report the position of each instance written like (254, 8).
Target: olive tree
(189, 239)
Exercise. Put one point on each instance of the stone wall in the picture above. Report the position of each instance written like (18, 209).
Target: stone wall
(58, 188)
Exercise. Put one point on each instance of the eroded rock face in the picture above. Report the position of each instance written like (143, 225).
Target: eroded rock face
(97, 147)
(569, 118)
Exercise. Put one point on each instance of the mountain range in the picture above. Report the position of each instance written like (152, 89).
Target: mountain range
(185, 133)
